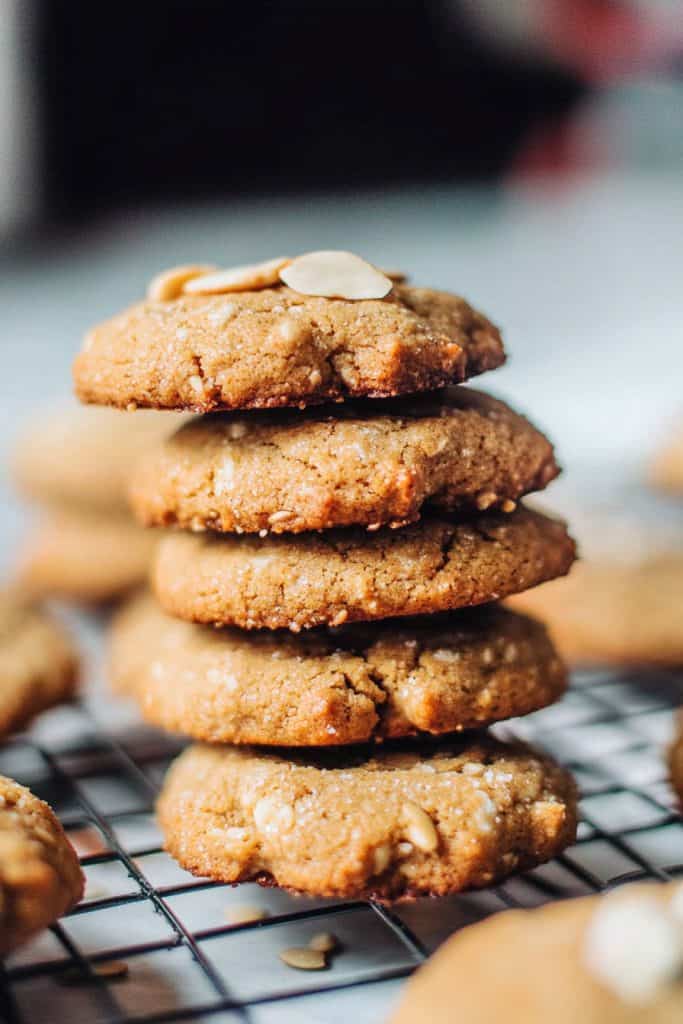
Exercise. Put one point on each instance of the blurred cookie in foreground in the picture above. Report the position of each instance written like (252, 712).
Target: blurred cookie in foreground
(38, 664)
(611, 959)
(422, 818)
(84, 556)
(623, 601)
(435, 674)
(666, 470)
(75, 463)
(676, 757)
(40, 877)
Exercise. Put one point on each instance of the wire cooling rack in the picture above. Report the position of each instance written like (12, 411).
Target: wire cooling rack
(150, 943)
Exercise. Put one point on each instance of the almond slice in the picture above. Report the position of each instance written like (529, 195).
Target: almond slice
(238, 279)
(334, 274)
(168, 284)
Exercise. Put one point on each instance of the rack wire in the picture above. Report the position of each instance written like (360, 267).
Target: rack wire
(150, 943)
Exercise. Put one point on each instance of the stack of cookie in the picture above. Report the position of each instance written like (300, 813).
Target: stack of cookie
(341, 542)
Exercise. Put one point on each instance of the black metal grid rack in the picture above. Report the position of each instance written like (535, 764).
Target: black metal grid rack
(185, 962)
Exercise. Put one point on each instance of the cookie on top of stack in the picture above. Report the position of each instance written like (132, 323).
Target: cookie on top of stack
(339, 517)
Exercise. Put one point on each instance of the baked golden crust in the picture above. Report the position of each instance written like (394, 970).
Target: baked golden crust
(371, 463)
(40, 877)
(423, 819)
(298, 581)
(437, 674)
(276, 347)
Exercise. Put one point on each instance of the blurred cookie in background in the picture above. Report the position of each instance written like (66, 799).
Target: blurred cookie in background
(666, 470)
(623, 601)
(75, 464)
(84, 556)
(38, 663)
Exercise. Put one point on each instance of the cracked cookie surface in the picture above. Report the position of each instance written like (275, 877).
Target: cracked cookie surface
(425, 818)
(435, 674)
(370, 463)
(276, 347)
(298, 581)
(40, 877)
(38, 663)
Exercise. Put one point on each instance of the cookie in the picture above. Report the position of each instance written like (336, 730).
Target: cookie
(676, 757)
(369, 464)
(304, 580)
(277, 347)
(613, 959)
(82, 457)
(38, 664)
(666, 470)
(426, 818)
(85, 557)
(436, 674)
(615, 613)
(40, 877)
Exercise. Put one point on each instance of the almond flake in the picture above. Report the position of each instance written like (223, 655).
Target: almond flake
(419, 827)
(334, 274)
(238, 279)
(169, 284)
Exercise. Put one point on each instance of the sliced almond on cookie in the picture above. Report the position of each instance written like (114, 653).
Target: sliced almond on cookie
(168, 284)
(238, 279)
(334, 274)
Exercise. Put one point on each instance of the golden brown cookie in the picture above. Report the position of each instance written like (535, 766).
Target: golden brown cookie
(676, 757)
(667, 467)
(368, 464)
(277, 347)
(436, 674)
(295, 582)
(85, 557)
(38, 663)
(426, 818)
(615, 612)
(614, 959)
(83, 457)
(40, 877)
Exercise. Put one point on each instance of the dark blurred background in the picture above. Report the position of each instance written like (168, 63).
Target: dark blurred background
(191, 99)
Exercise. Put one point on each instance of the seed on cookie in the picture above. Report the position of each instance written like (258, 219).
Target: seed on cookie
(419, 827)
(335, 274)
(168, 284)
(250, 277)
